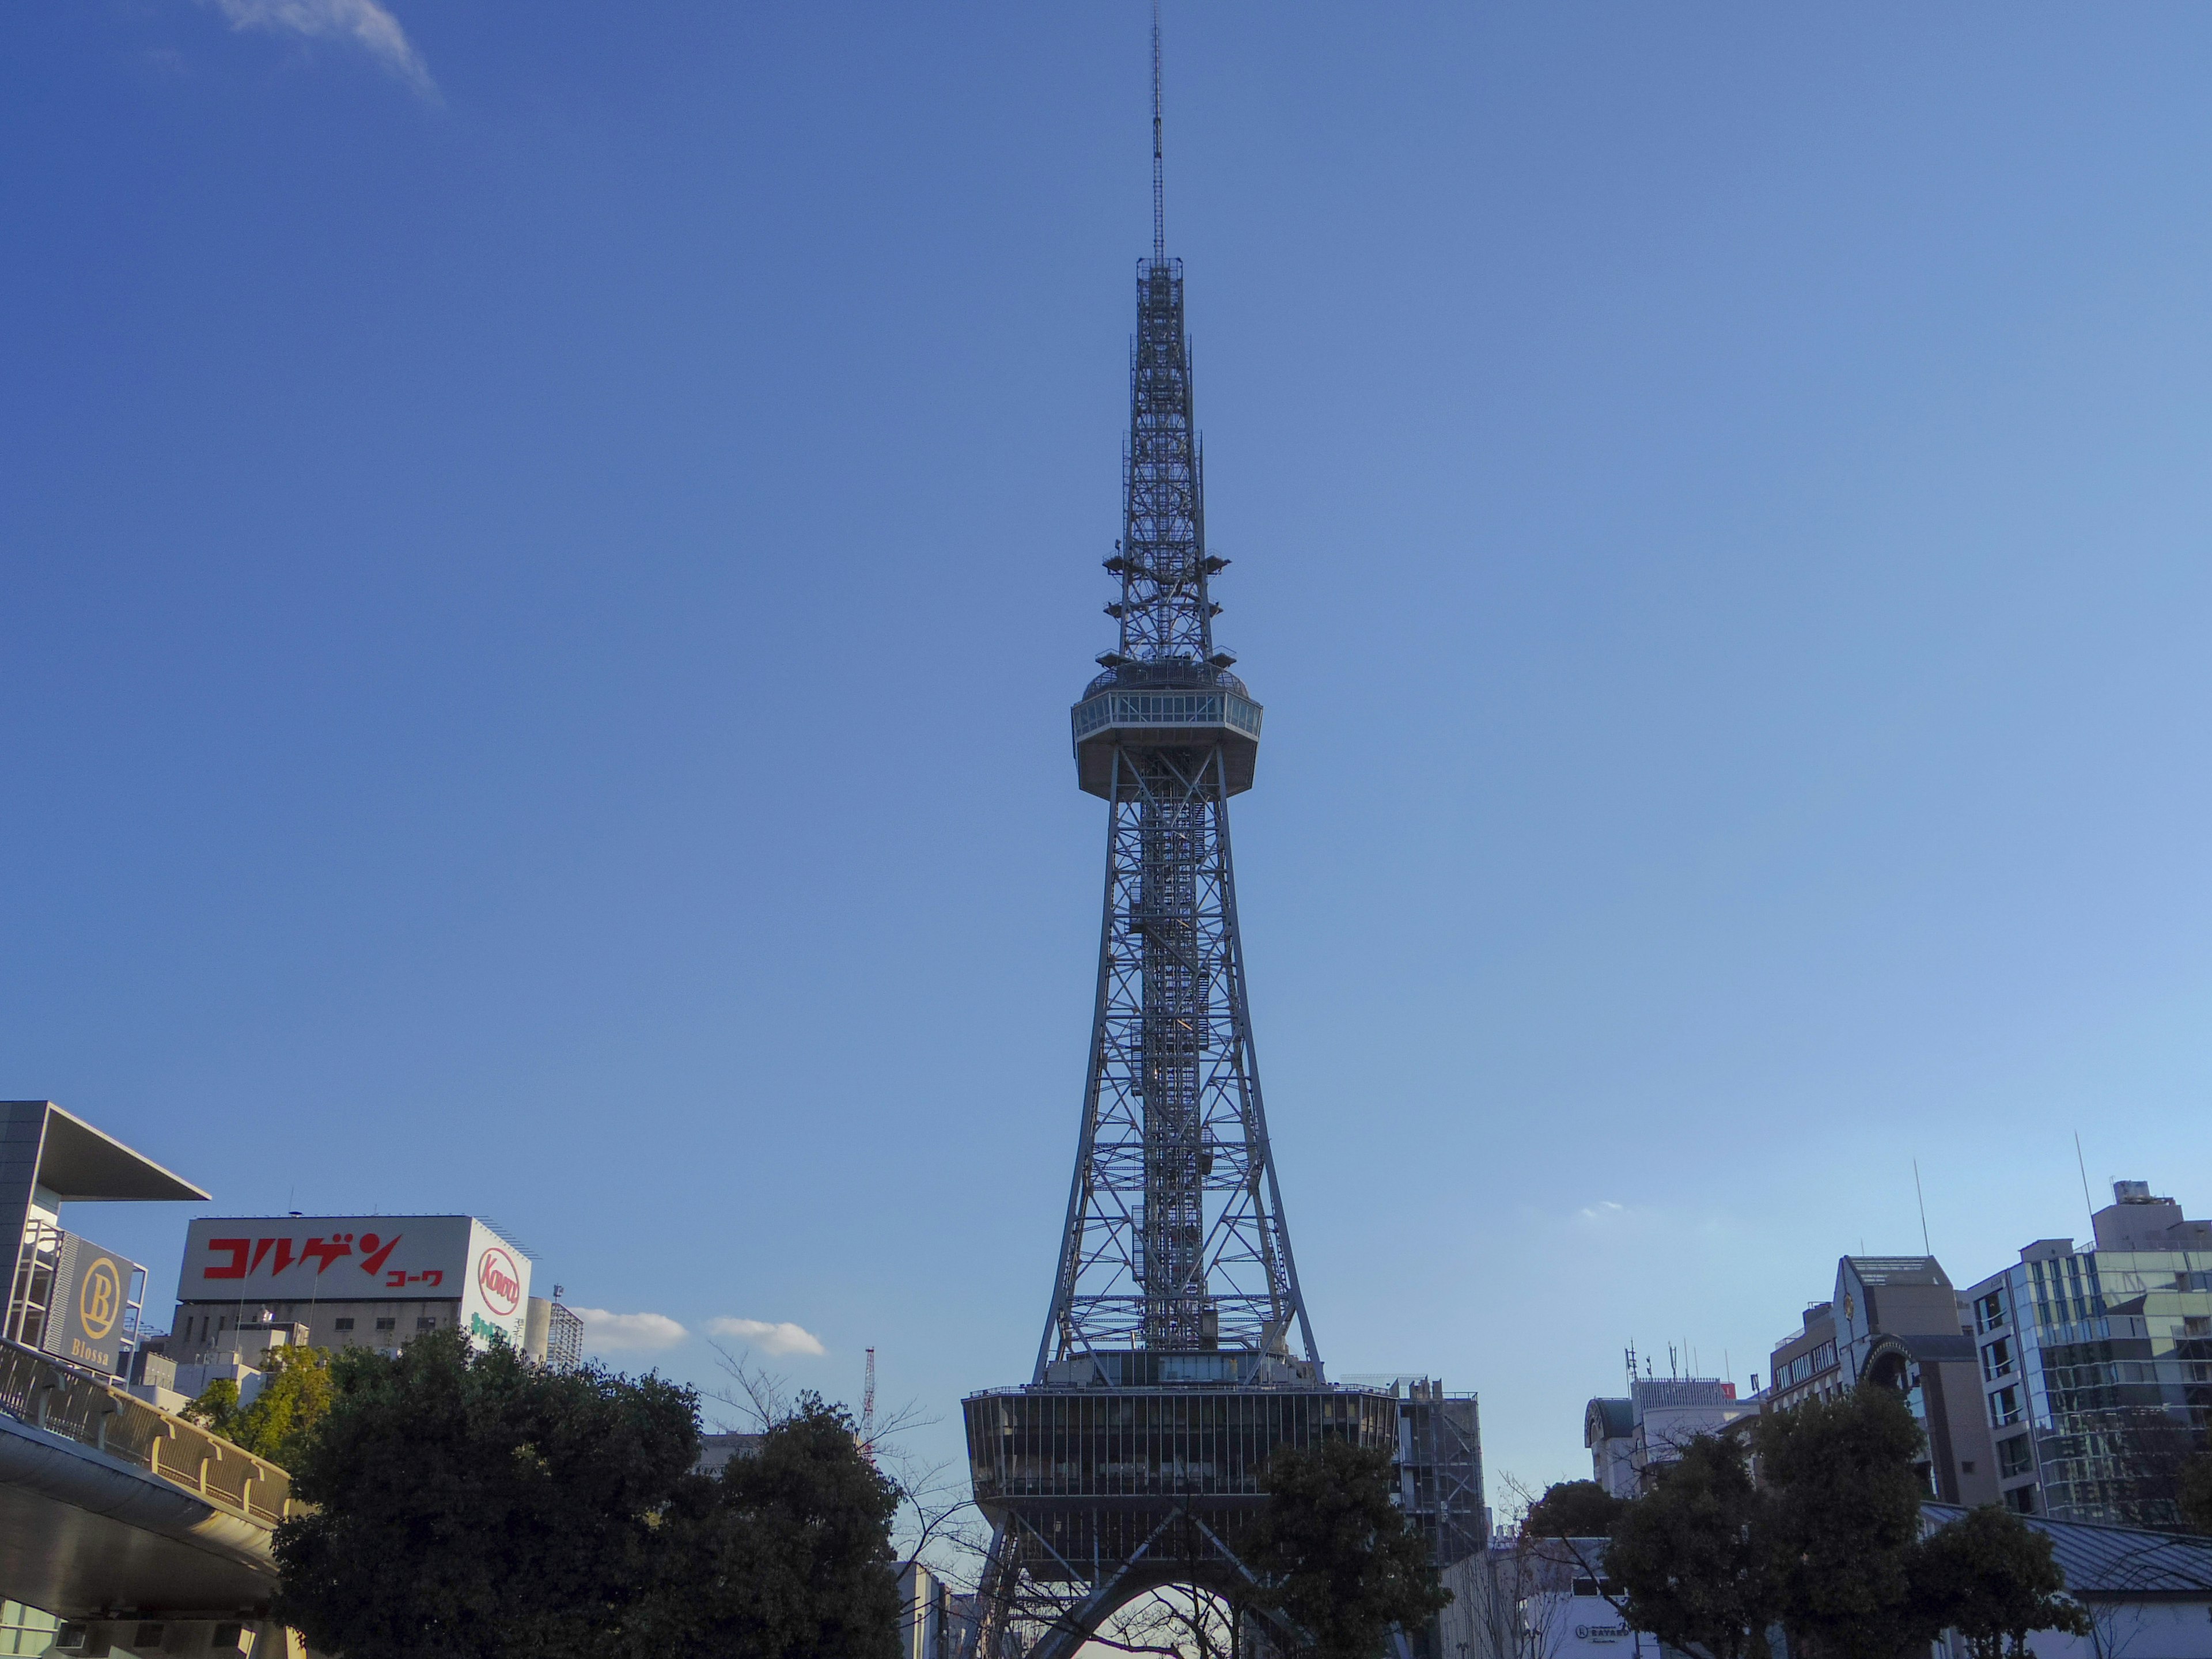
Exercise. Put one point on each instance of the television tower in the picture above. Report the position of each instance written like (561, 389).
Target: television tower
(1176, 1354)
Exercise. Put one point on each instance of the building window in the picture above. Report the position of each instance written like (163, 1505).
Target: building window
(2022, 1498)
(425, 1324)
(1996, 1359)
(2014, 1456)
(393, 1324)
(345, 1324)
(2004, 1407)
(1966, 1466)
(1989, 1310)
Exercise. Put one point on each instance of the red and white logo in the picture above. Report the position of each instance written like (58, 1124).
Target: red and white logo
(500, 1281)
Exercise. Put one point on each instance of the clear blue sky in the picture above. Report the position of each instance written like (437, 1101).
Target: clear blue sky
(545, 551)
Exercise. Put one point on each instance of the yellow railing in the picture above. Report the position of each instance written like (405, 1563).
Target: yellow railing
(49, 1395)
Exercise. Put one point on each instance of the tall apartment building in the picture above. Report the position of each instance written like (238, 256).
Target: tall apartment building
(2096, 1363)
(1897, 1320)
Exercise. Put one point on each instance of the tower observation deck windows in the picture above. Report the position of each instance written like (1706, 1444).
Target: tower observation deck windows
(1167, 708)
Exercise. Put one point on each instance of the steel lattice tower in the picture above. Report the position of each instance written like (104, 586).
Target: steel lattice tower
(1177, 1354)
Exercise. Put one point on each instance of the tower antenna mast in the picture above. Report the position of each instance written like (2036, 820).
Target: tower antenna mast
(1159, 173)
(868, 1411)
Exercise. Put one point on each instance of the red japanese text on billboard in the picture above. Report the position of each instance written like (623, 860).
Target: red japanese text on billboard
(326, 1259)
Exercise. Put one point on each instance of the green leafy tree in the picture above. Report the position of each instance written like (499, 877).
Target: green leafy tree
(1573, 1509)
(1846, 1518)
(1829, 1546)
(1993, 1578)
(1336, 1555)
(471, 1505)
(295, 1392)
(1693, 1559)
(215, 1406)
(786, 1555)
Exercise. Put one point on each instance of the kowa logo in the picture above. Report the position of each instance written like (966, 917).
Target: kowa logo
(499, 1280)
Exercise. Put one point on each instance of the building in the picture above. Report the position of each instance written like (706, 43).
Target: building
(69, 1298)
(348, 1281)
(2149, 1594)
(2095, 1364)
(1544, 1598)
(1899, 1322)
(1805, 1364)
(934, 1622)
(1630, 1440)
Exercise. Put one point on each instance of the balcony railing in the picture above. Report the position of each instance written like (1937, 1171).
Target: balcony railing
(62, 1400)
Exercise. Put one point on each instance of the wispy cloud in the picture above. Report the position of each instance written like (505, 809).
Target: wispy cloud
(604, 1332)
(785, 1338)
(363, 22)
(1601, 1210)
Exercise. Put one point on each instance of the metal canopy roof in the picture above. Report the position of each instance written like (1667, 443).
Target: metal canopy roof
(2105, 1563)
(79, 1164)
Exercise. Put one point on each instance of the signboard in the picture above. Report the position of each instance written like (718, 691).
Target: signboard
(497, 1300)
(261, 1261)
(89, 1316)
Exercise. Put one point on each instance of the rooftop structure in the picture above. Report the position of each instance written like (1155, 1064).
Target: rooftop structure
(1629, 1440)
(68, 1297)
(350, 1281)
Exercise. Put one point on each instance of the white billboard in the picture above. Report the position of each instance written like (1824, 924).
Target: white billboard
(360, 1258)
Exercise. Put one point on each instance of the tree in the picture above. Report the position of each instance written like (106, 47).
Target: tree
(1829, 1546)
(295, 1393)
(1573, 1509)
(2196, 1491)
(471, 1505)
(1993, 1578)
(786, 1555)
(1335, 1556)
(1845, 1519)
(1693, 1559)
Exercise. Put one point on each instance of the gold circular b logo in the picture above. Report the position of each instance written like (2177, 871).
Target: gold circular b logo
(99, 1299)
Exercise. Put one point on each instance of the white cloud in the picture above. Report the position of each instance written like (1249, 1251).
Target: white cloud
(605, 1331)
(785, 1338)
(364, 22)
(1601, 1210)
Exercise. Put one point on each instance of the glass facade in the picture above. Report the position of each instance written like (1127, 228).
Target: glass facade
(1167, 708)
(2101, 1362)
(1079, 1465)
(25, 1629)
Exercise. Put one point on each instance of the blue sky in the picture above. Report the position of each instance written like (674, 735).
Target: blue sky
(545, 551)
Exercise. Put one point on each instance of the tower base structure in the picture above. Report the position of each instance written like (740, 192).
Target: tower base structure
(1123, 1473)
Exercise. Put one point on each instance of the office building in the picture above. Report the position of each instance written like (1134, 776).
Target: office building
(1631, 1439)
(350, 1282)
(2096, 1363)
(1899, 1322)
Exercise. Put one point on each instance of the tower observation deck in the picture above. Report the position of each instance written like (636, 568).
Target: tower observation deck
(1176, 1355)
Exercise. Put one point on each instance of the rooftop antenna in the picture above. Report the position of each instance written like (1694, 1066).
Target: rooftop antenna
(1926, 1249)
(868, 1411)
(1159, 175)
(2081, 1163)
